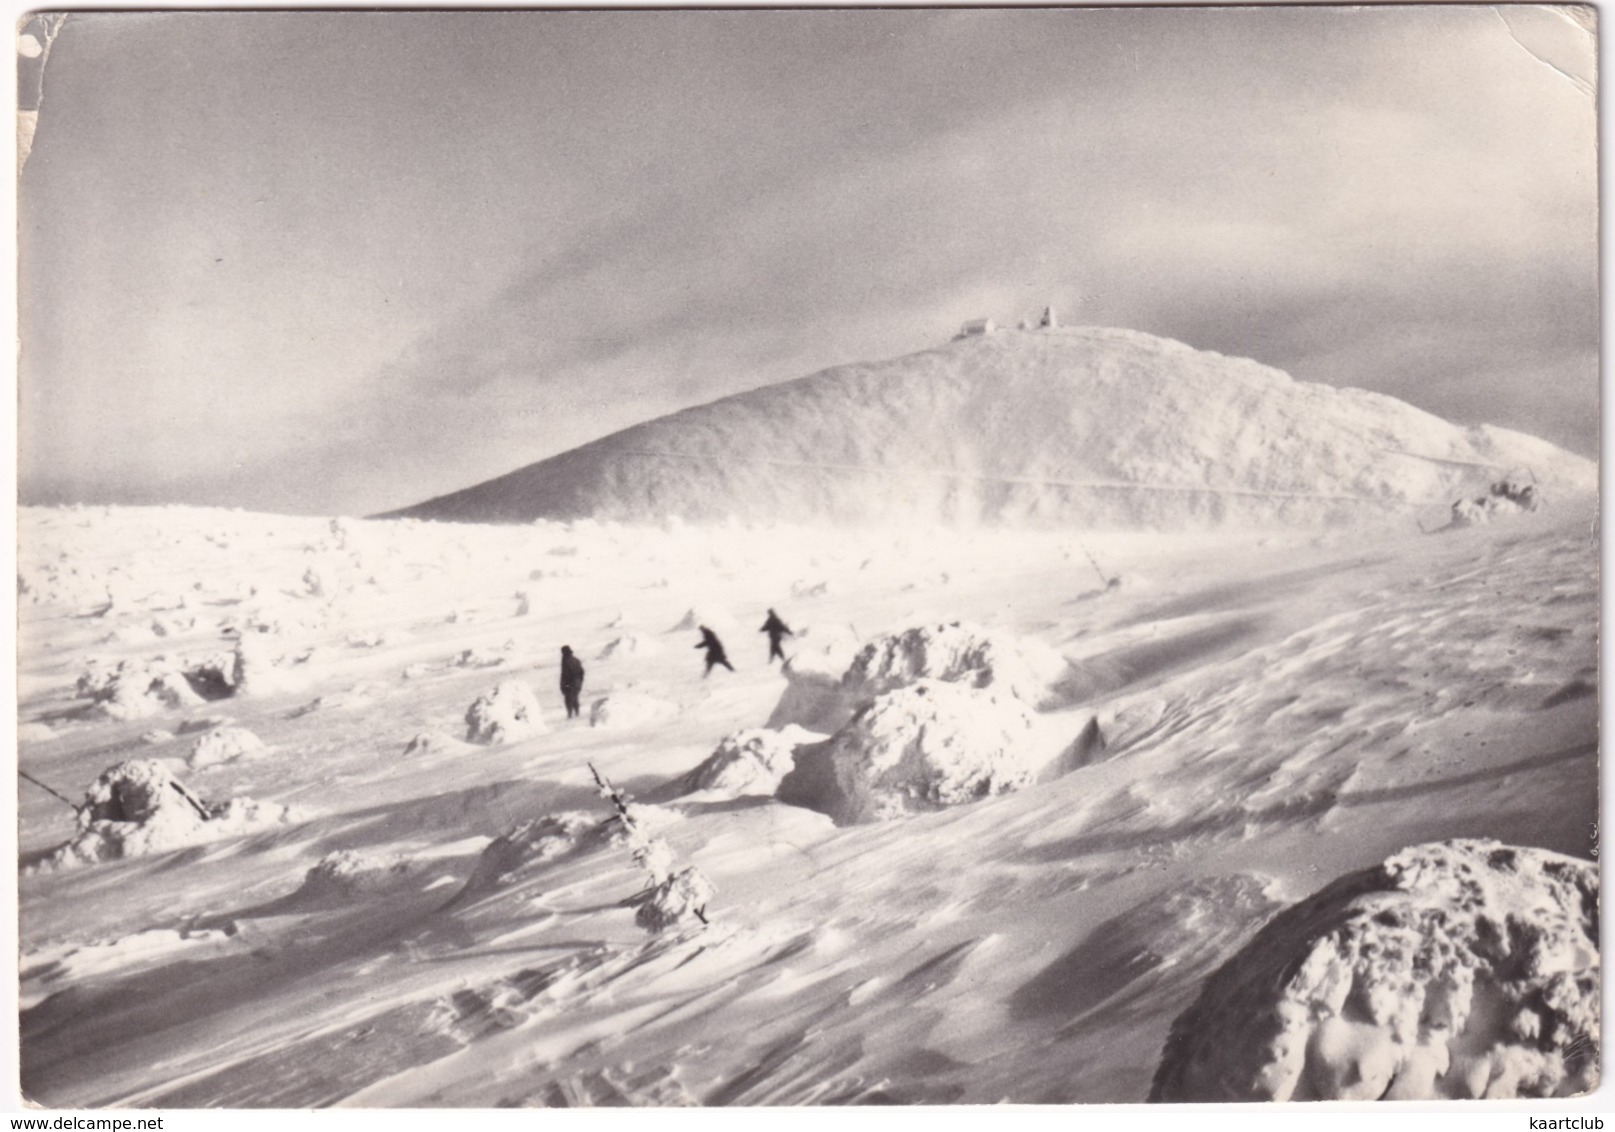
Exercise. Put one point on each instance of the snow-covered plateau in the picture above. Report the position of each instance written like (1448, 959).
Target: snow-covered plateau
(1016, 816)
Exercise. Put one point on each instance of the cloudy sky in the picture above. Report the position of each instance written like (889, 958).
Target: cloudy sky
(338, 262)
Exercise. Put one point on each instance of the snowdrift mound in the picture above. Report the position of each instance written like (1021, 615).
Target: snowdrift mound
(138, 808)
(507, 714)
(435, 743)
(954, 653)
(916, 750)
(223, 745)
(339, 877)
(1453, 970)
(1078, 426)
(531, 842)
(630, 709)
(748, 762)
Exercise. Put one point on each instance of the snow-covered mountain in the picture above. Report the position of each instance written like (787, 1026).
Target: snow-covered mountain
(1099, 427)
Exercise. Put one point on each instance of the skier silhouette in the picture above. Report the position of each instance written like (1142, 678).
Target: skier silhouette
(571, 680)
(776, 630)
(715, 654)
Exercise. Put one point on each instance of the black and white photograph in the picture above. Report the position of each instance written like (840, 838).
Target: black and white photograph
(807, 557)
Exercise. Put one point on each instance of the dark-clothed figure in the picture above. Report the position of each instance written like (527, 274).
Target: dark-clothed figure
(571, 680)
(715, 653)
(777, 630)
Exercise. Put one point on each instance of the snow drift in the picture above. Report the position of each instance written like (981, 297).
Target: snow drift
(1081, 426)
(1453, 970)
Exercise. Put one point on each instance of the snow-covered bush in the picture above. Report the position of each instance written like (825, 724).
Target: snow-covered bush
(138, 807)
(1453, 970)
(135, 689)
(507, 714)
(672, 899)
(680, 897)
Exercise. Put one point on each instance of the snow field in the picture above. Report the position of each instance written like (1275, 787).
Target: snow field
(451, 923)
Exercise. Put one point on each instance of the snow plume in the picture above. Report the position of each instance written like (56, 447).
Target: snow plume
(1453, 970)
(137, 808)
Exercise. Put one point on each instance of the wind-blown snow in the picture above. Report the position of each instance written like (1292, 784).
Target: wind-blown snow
(431, 922)
(1083, 427)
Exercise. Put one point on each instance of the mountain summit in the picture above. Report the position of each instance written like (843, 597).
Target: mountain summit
(1070, 426)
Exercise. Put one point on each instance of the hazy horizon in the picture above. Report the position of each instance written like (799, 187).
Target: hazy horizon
(339, 262)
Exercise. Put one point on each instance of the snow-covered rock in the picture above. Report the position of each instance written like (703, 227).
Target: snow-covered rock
(955, 653)
(507, 714)
(919, 749)
(749, 762)
(1453, 970)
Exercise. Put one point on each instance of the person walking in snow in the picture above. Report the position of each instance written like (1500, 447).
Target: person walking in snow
(571, 680)
(777, 630)
(715, 653)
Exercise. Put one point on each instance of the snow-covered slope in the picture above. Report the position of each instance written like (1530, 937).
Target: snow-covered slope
(430, 921)
(1105, 428)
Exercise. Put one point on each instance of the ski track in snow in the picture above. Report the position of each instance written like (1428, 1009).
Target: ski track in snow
(1277, 708)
